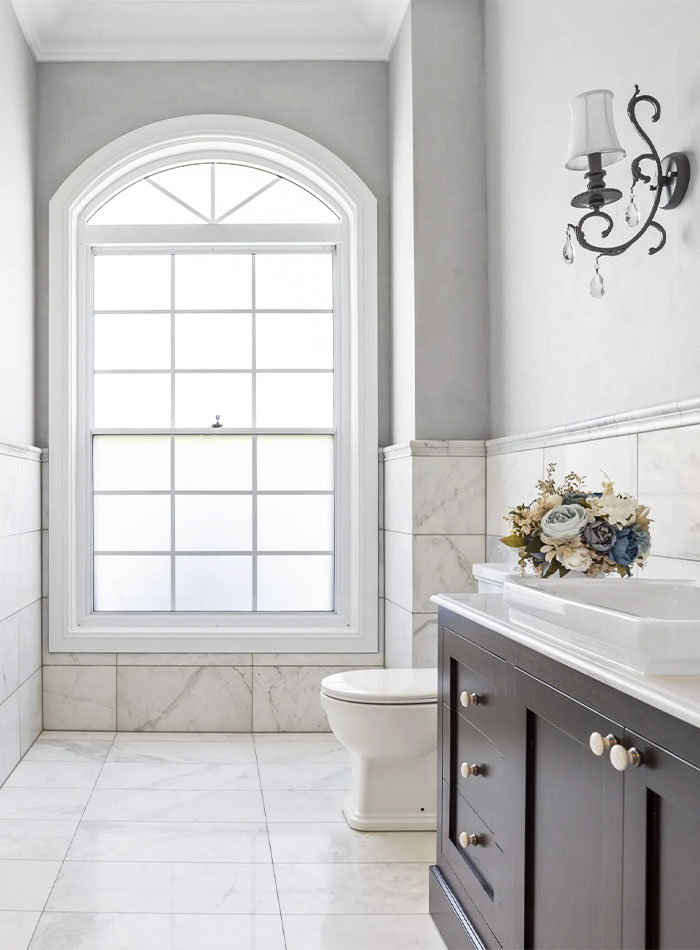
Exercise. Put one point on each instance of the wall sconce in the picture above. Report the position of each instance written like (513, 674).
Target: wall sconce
(594, 145)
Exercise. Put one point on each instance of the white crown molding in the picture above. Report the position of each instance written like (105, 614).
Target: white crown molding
(435, 447)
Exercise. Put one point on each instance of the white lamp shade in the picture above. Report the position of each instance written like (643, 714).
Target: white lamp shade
(593, 130)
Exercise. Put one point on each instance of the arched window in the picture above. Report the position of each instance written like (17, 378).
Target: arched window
(214, 331)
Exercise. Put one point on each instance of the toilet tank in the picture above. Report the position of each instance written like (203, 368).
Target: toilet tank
(490, 577)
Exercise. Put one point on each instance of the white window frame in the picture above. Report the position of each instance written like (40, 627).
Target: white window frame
(73, 625)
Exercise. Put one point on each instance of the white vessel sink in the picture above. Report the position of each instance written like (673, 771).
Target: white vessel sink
(648, 626)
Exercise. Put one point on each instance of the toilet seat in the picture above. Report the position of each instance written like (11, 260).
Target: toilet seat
(382, 687)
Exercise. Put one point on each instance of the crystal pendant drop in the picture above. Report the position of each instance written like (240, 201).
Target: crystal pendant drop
(568, 251)
(597, 287)
(632, 213)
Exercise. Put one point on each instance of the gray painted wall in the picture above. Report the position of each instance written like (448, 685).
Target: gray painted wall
(439, 188)
(17, 120)
(557, 355)
(83, 106)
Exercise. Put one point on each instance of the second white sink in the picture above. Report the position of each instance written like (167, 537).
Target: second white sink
(648, 626)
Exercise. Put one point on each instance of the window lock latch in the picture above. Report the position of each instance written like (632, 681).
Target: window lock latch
(217, 424)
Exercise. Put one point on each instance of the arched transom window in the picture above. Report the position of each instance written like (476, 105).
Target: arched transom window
(216, 456)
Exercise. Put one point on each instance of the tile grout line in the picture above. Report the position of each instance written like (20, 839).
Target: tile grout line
(269, 843)
(70, 843)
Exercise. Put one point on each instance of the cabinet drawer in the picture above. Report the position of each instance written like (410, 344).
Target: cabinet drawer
(476, 685)
(482, 787)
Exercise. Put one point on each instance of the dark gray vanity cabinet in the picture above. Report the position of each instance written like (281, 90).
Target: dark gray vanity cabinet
(541, 843)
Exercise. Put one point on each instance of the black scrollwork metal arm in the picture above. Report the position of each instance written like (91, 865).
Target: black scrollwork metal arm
(637, 175)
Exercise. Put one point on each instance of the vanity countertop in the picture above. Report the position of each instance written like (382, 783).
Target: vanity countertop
(678, 696)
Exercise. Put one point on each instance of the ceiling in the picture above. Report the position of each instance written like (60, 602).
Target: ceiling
(113, 30)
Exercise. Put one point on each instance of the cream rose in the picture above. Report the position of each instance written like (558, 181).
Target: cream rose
(564, 522)
(574, 557)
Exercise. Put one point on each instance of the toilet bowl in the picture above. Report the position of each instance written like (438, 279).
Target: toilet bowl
(387, 719)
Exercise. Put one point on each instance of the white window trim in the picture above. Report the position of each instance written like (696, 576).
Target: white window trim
(354, 627)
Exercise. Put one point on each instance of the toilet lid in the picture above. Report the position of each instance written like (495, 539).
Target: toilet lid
(382, 686)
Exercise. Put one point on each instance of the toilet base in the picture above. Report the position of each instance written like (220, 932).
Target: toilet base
(392, 795)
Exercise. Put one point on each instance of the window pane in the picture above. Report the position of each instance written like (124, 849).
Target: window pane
(213, 583)
(189, 183)
(235, 183)
(285, 203)
(213, 341)
(295, 400)
(294, 281)
(295, 462)
(295, 522)
(295, 582)
(213, 522)
(132, 282)
(132, 340)
(132, 523)
(126, 582)
(131, 462)
(200, 397)
(213, 282)
(132, 400)
(213, 463)
(141, 203)
(294, 340)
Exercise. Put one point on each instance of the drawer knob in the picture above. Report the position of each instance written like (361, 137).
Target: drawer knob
(469, 699)
(600, 744)
(466, 840)
(468, 770)
(621, 758)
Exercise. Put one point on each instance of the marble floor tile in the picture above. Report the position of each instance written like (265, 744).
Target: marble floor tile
(76, 734)
(54, 775)
(352, 888)
(126, 887)
(279, 751)
(195, 776)
(304, 806)
(16, 928)
(36, 840)
(184, 736)
(25, 885)
(241, 752)
(368, 931)
(170, 841)
(43, 804)
(158, 932)
(156, 805)
(312, 777)
(68, 750)
(327, 843)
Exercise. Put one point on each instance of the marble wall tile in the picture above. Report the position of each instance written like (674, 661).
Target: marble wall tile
(287, 698)
(601, 459)
(510, 480)
(9, 656)
(449, 495)
(318, 659)
(669, 461)
(398, 568)
(398, 636)
(80, 697)
(425, 641)
(398, 490)
(45, 494)
(671, 569)
(187, 699)
(29, 495)
(29, 623)
(30, 710)
(184, 659)
(9, 494)
(497, 551)
(44, 563)
(9, 576)
(29, 568)
(9, 735)
(443, 563)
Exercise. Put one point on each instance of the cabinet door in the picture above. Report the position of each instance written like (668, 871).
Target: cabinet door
(570, 818)
(661, 882)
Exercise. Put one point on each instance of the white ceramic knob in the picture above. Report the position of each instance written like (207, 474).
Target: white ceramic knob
(466, 840)
(468, 770)
(468, 699)
(621, 758)
(600, 744)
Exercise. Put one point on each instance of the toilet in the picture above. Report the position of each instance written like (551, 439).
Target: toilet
(387, 719)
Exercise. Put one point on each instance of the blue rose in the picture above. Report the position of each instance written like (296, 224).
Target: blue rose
(643, 539)
(573, 497)
(600, 536)
(625, 549)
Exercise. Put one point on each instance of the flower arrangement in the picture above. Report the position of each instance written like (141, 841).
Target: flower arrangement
(567, 528)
